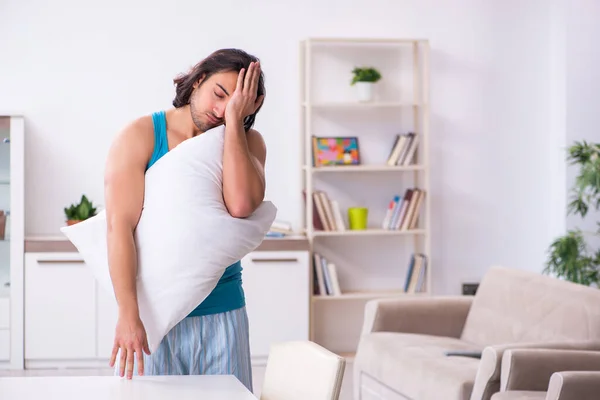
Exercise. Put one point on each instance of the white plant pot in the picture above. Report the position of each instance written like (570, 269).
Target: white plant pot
(364, 91)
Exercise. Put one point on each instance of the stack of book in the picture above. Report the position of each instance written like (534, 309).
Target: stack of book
(327, 215)
(325, 281)
(280, 229)
(403, 211)
(415, 276)
(403, 150)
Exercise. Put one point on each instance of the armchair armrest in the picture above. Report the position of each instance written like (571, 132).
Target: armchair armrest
(440, 316)
(487, 379)
(531, 369)
(574, 385)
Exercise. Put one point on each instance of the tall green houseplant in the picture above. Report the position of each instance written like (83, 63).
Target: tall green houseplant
(570, 256)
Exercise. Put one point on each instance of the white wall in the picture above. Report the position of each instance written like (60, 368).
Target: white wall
(79, 71)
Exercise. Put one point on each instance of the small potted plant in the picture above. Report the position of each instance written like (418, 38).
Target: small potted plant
(364, 79)
(80, 212)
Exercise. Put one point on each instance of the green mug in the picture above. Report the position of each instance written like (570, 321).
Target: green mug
(358, 216)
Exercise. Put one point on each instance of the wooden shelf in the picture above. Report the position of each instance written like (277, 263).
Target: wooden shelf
(354, 105)
(366, 168)
(363, 41)
(370, 232)
(365, 295)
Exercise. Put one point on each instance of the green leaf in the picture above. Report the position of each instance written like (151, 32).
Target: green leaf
(81, 211)
(366, 74)
(569, 259)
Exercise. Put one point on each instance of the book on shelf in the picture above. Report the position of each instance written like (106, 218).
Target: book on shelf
(325, 279)
(280, 229)
(403, 150)
(403, 211)
(415, 276)
(327, 214)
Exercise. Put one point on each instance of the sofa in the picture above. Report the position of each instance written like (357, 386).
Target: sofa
(451, 347)
(544, 374)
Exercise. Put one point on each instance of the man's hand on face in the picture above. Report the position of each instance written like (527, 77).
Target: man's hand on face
(244, 100)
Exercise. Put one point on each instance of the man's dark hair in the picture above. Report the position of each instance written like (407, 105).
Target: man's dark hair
(223, 60)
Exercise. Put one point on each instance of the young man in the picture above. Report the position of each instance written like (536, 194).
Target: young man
(225, 88)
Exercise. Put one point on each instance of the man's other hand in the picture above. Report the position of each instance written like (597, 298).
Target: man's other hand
(130, 338)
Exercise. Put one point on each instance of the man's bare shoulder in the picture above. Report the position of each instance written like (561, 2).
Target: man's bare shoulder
(140, 129)
(253, 136)
(256, 145)
(135, 141)
(254, 133)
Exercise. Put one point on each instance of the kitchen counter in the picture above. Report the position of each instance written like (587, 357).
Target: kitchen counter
(60, 244)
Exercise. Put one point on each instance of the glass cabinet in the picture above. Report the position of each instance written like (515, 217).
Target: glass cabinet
(12, 240)
(4, 206)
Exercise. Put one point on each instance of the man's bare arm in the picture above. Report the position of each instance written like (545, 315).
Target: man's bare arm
(124, 191)
(124, 194)
(244, 158)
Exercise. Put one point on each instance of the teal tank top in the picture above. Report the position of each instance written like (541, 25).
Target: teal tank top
(228, 294)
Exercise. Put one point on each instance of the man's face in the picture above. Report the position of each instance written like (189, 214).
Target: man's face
(210, 98)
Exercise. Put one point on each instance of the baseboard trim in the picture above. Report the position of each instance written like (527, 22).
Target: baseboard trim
(101, 363)
(67, 364)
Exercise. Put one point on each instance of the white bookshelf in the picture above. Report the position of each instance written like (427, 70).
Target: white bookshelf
(329, 108)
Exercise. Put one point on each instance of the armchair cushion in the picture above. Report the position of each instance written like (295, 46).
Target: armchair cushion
(416, 365)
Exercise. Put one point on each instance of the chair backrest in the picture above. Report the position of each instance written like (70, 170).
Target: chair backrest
(302, 370)
(513, 305)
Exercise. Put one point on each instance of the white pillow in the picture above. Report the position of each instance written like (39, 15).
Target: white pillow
(185, 237)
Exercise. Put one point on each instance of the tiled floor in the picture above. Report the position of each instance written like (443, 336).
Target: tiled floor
(258, 376)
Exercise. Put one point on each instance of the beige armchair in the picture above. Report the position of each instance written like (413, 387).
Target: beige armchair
(549, 375)
(403, 352)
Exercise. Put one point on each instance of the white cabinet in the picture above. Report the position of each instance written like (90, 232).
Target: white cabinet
(276, 285)
(4, 329)
(70, 320)
(4, 345)
(59, 308)
(67, 316)
(4, 313)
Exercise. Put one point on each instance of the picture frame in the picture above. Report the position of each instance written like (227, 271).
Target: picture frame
(335, 151)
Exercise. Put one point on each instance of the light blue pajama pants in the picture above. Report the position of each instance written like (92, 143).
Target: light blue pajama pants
(215, 344)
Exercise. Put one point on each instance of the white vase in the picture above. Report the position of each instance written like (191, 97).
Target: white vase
(364, 91)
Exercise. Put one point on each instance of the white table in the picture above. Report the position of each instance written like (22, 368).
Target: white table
(180, 387)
